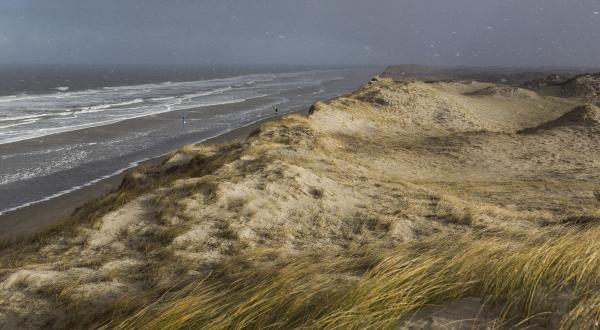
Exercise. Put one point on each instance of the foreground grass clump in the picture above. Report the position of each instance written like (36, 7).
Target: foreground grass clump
(550, 279)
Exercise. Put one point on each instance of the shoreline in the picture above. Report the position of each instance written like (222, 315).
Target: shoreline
(28, 220)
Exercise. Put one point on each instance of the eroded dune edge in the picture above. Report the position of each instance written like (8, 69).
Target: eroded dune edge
(405, 204)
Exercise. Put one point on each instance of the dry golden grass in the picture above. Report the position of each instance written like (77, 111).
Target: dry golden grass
(547, 279)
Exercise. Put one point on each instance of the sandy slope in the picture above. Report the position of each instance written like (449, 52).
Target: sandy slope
(391, 163)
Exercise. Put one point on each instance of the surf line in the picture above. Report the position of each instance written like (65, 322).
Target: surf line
(120, 171)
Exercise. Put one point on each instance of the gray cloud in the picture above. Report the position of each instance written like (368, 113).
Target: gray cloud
(474, 32)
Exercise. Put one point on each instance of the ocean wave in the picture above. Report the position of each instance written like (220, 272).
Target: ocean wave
(24, 122)
(6, 119)
(13, 98)
(113, 105)
(163, 98)
(108, 106)
(40, 132)
(200, 94)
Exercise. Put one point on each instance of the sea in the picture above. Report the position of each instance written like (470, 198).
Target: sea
(63, 128)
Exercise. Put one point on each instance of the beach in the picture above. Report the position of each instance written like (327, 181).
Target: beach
(27, 221)
(45, 178)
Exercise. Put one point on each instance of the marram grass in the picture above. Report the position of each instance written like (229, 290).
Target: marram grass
(549, 279)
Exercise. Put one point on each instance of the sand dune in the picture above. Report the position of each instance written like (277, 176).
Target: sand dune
(505, 91)
(398, 178)
(548, 81)
(585, 85)
(584, 118)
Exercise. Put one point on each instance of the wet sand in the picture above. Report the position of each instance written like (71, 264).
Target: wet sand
(35, 218)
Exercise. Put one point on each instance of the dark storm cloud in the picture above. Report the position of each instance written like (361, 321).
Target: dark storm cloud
(475, 32)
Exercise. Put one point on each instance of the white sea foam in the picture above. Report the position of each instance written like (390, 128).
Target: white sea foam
(135, 101)
(72, 110)
(70, 190)
(41, 132)
(24, 122)
(163, 98)
(20, 118)
(216, 91)
(111, 105)
(15, 98)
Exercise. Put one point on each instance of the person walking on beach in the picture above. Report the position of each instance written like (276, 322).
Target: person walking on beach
(183, 119)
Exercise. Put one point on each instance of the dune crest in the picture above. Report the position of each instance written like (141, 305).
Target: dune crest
(587, 115)
(586, 85)
(505, 91)
(584, 116)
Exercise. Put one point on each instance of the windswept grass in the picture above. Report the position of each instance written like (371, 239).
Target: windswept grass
(550, 279)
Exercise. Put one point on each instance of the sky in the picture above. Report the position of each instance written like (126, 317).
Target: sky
(305, 32)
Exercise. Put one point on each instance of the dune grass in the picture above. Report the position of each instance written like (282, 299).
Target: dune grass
(549, 279)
